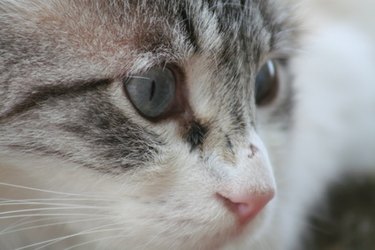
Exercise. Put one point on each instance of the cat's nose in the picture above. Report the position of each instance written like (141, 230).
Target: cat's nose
(246, 207)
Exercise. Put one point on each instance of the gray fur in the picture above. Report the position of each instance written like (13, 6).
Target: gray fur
(41, 46)
(63, 62)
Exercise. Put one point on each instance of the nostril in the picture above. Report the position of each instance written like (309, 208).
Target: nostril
(247, 207)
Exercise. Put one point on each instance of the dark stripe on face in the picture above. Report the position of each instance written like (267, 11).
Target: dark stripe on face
(90, 132)
(42, 93)
(115, 139)
(189, 28)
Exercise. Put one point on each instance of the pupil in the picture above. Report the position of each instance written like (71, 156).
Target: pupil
(153, 87)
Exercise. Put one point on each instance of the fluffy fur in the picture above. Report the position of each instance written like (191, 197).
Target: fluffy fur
(80, 168)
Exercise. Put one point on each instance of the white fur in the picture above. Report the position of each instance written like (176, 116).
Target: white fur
(334, 128)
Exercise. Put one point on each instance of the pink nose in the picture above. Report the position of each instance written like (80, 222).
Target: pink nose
(247, 207)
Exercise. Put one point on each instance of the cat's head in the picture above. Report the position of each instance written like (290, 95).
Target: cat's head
(153, 108)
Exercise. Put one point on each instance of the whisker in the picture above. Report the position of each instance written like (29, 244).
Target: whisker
(54, 199)
(41, 215)
(44, 190)
(20, 221)
(55, 240)
(79, 234)
(51, 204)
(46, 209)
(92, 241)
(51, 224)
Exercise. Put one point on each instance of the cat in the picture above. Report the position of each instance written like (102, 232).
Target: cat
(158, 125)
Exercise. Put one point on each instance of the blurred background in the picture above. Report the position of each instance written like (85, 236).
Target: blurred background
(338, 56)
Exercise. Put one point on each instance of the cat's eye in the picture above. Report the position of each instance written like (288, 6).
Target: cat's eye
(152, 92)
(266, 83)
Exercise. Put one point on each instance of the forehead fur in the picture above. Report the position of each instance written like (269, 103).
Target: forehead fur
(49, 48)
(85, 39)
(148, 26)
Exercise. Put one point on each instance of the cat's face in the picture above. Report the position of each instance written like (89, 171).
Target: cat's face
(146, 111)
